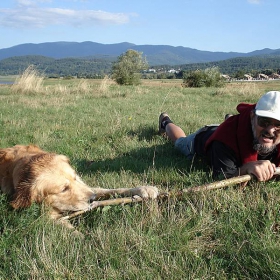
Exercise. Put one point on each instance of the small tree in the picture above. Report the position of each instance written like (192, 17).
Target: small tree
(213, 77)
(194, 79)
(127, 69)
(210, 77)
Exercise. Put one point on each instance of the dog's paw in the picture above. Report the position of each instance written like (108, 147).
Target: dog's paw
(146, 192)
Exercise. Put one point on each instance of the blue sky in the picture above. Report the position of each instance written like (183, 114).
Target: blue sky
(211, 25)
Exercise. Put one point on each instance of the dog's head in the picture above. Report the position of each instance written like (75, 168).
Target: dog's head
(49, 178)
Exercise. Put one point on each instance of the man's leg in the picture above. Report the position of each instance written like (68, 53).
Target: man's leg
(183, 143)
(172, 131)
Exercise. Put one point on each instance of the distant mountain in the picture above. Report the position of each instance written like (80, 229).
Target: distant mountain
(155, 54)
(65, 49)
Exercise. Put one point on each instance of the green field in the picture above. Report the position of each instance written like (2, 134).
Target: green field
(110, 134)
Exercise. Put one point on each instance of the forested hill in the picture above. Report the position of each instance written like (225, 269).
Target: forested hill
(94, 68)
(84, 67)
(90, 59)
(246, 64)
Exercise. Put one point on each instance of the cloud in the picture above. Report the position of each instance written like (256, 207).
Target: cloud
(28, 15)
(22, 3)
(254, 1)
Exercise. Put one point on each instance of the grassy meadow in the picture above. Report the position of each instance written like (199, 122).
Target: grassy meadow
(110, 134)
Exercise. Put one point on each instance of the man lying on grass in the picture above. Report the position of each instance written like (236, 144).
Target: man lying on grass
(246, 143)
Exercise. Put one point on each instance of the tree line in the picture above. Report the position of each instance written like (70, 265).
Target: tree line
(80, 67)
(99, 67)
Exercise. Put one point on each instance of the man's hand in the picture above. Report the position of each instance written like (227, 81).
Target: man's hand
(263, 170)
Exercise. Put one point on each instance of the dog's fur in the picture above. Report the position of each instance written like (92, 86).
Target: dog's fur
(30, 174)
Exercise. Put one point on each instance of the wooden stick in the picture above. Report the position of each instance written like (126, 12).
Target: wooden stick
(96, 204)
(224, 183)
(207, 187)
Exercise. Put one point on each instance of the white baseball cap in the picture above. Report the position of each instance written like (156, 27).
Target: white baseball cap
(269, 105)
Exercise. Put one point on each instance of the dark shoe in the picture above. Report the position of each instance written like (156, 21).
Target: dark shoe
(227, 116)
(162, 116)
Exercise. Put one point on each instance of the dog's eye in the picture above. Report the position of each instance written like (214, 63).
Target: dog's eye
(65, 189)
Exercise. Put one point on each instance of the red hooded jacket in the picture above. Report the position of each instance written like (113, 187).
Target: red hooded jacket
(236, 133)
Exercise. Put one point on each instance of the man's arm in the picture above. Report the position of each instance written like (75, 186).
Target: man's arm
(262, 169)
(225, 165)
(222, 160)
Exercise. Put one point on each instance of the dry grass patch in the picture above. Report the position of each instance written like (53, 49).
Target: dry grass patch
(248, 89)
(105, 84)
(82, 87)
(29, 82)
(163, 83)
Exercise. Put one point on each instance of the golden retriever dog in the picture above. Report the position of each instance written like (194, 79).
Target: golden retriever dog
(30, 174)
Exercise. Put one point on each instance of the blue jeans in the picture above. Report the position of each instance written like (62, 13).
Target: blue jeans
(185, 145)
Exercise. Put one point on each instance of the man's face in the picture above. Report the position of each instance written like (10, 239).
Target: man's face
(266, 133)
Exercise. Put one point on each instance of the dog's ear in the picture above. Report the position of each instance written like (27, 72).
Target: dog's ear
(22, 196)
(6, 155)
(34, 149)
(2, 155)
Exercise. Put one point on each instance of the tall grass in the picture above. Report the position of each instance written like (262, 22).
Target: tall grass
(250, 89)
(104, 85)
(29, 81)
(110, 135)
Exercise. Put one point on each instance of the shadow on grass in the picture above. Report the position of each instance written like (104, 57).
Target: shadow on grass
(158, 157)
(145, 133)
(137, 161)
